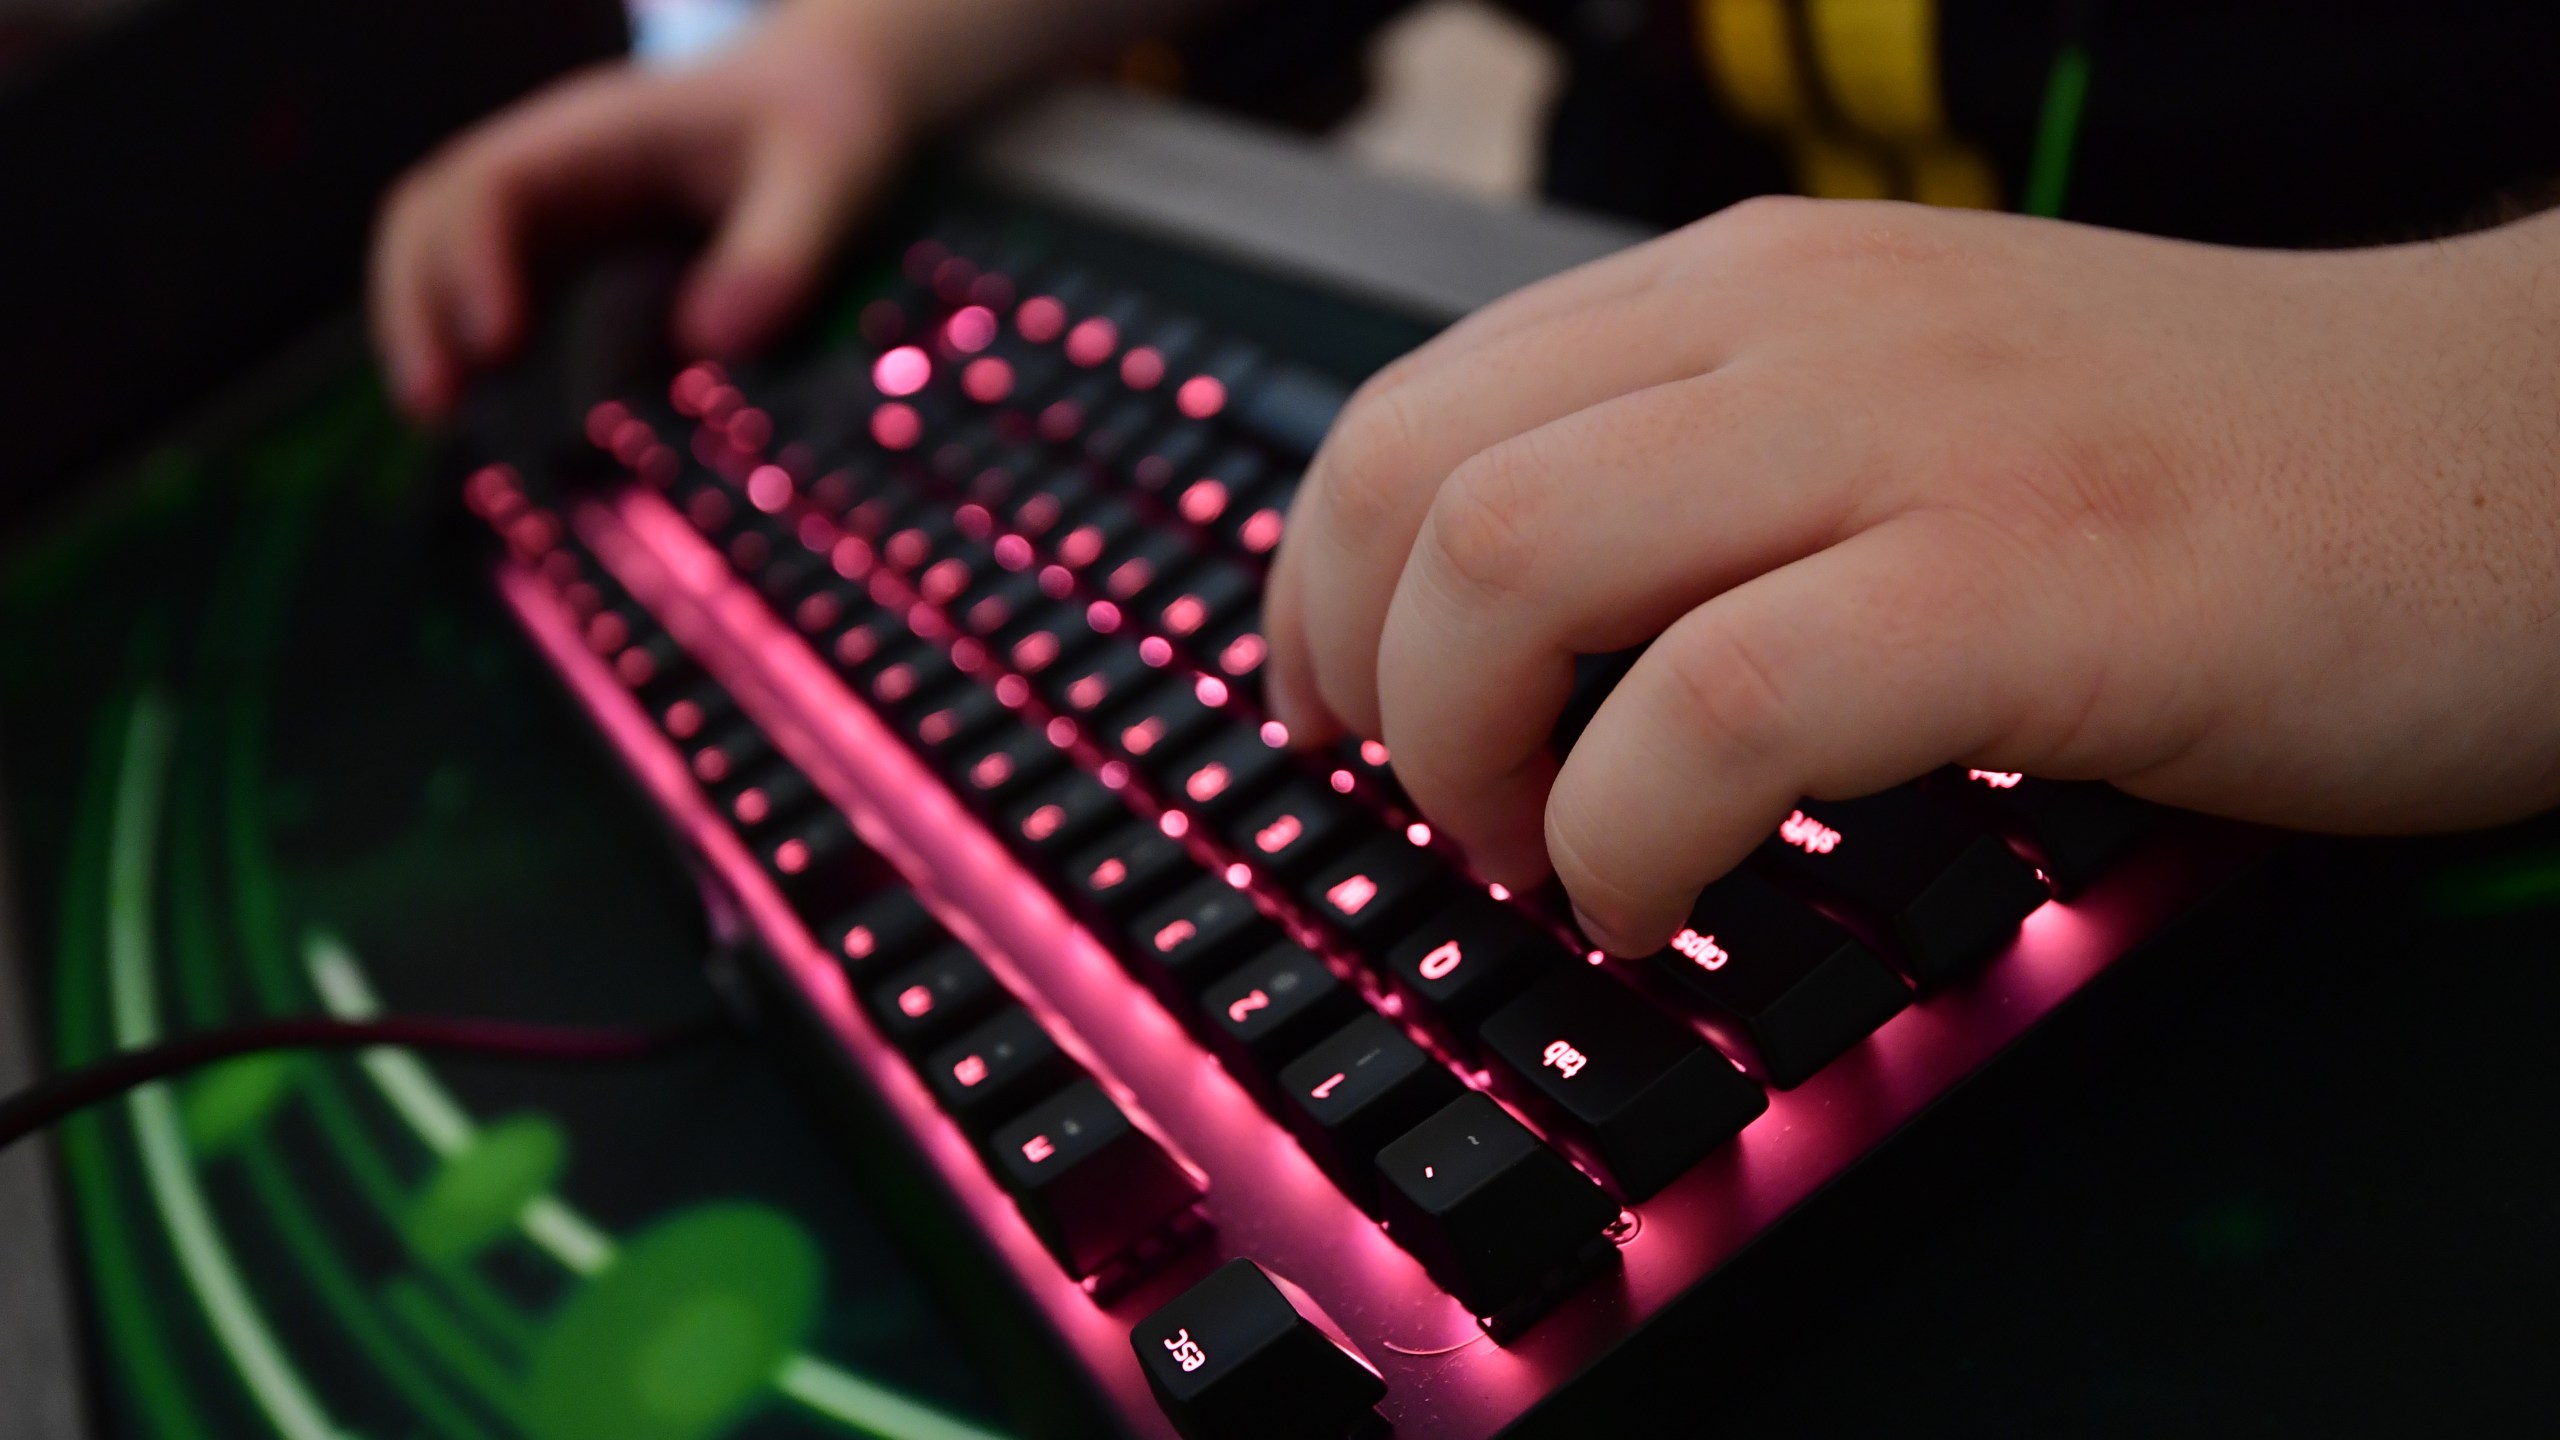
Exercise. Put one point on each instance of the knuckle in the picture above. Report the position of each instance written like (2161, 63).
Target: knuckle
(1486, 521)
(1368, 461)
(1730, 692)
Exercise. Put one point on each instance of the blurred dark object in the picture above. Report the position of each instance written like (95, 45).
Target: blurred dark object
(191, 188)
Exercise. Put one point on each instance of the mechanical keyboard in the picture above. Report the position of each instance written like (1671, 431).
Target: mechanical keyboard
(939, 647)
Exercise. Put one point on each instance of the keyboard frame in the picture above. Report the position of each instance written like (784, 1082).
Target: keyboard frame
(1266, 1199)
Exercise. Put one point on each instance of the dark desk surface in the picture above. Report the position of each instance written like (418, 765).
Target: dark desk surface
(270, 746)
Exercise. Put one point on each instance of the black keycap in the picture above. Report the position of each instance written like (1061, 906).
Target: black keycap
(1136, 572)
(1274, 1008)
(960, 716)
(1949, 895)
(1489, 1211)
(1376, 893)
(790, 576)
(1054, 499)
(656, 669)
(1636, 1095)
(2075, 830)
(702, 710)
(1219, 776)
(886, 929)
(1053, 639)
(1160, 723)
(926, 1002)
(1003, 603)
(1367, 760)
(1236, 654)
(1064, 814)
(1134, 867)
(1199, 934)
(1090, 1183)
(1231, 1359)
(998, 1069)
(1794, 989)
(724, 762)
(1360, 1087)
(919, 681)
(867, 643)
(1463, 963)
(820, 864)
(1121, 429)
(1292, 407)
(1173, 458)
(770, 800)
(829, 605)
(1296, 829)
(1102, 681)
(1255, 526)
(997, 771)
(1212, 596)
(1095, 533)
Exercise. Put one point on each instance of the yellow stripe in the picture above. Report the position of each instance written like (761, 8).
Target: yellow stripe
(1752, 60)
(1835, 169)
(1879, 62)
(1953, 174)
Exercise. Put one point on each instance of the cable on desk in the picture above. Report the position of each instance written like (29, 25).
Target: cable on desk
(48, 1101)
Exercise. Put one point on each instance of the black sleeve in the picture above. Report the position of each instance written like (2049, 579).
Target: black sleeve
(2274, 121)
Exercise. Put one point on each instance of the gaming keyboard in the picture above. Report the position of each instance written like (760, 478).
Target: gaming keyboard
(940, 648)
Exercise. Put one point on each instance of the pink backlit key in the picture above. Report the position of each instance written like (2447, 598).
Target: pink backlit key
(1359, 1088)
(1198, 935)
(1780, 983)
(1378, 892)
(1633, 1094)
(922, 1004)
(1946, 894)
(1090, 1183)
(1461, 964)
(997, 1069)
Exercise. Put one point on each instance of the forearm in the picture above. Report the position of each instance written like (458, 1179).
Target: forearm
(948, 55)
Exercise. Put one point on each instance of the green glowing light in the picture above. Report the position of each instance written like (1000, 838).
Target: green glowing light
(682, 1334)
(478, 1195)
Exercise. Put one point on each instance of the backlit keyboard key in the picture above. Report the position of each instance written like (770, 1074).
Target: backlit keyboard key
(770, 799)
(1296, 829)
(960, 715)
(1051, 640)
(1218, 777)
(1792, 987)
(1637, 1095)
(1214, 595)
(926, 1002)
(1463, 963)
(866, 644)
(1231, 1358)
(1359, 1088)
(1948, 895)
(1489, 1211)
(998, 771)
(1274, 1008)
(2074, 830)
(918, 681)
(1376, 893)
(997, 1069)
(1090, 1183)
(1101, 681)
(819, 864)
(1147, 566)
(1130, 870)
(700, 711)
(1160, 723)
(887, 929)
(1200, 934)
(1065, 814)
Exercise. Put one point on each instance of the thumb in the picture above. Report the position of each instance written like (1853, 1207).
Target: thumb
(792, 203)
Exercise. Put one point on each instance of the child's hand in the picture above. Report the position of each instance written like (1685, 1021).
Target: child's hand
(776, 143)
(2270, 535)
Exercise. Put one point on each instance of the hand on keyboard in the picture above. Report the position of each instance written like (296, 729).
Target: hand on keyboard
(2265, 535)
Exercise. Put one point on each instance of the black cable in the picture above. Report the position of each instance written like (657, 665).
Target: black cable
(50, 1100)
